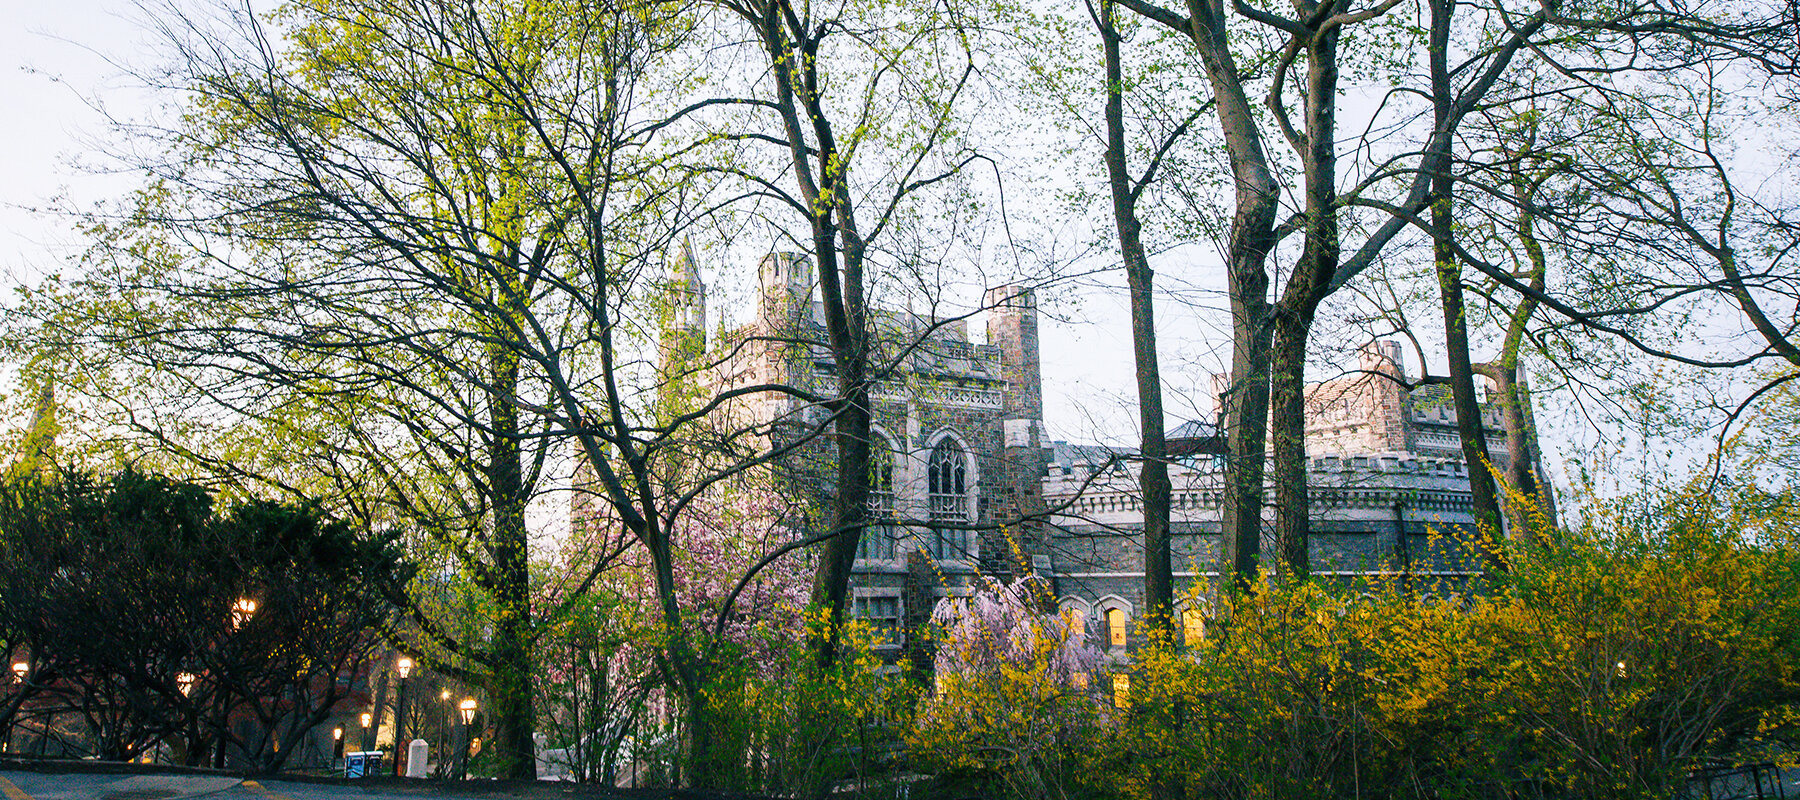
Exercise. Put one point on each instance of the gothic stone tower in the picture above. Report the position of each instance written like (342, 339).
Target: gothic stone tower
(684, 330)
(1012, 326)
(682, 342)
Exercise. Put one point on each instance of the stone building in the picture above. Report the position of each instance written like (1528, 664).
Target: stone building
(958, 436)
(966, 481)
(1387, 483)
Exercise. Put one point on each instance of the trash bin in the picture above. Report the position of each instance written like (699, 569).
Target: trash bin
(362, 764)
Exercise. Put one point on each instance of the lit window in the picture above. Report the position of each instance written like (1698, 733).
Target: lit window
(1121, 691)
(949, 495)
(883, 616)
(1193, 626)
(877, 542)
(1115, 626)
(1079, 681)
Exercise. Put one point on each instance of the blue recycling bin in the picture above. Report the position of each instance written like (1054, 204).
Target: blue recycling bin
(362, 764)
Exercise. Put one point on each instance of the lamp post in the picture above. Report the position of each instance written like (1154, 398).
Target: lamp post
(465, 711)
(443, 734)
(241, 612)
(19, 670)
(337, 746)
(368, 740)
(404, 667)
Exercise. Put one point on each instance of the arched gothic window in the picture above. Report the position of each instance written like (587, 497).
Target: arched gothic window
(1115, 626)
(878, 539)
(949, 489)
(1193, 626)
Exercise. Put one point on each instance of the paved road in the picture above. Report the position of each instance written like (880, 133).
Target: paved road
(38, 786)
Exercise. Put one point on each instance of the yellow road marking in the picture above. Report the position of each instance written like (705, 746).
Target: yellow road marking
(251, 785)
(12, 792)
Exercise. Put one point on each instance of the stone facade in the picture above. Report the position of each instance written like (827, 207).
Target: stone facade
(959, 444)
(1388, 487)
(1370, 412)
(967, 481)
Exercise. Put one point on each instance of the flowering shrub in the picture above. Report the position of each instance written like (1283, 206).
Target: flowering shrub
(1610, 660)
(1606, 662)
(797, 727)
(1010, 705)
(1603, 666)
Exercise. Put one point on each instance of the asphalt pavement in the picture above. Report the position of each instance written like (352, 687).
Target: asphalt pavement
(79, 786)
(96, 781)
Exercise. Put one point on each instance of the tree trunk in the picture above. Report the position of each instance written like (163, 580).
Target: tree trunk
(823, 177)
(1244, 405)
(1482, 497)
(1486, 507)
(831, 583)
(1287, 440)
(1244, 419)
(1159, 579)
(510, 691)
(1523, 464)
(1305, 289)
(1521, 449)
(847, 328)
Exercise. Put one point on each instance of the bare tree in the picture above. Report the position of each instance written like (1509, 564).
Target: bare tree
(904, 71)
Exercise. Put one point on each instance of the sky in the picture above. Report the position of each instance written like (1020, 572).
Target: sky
(57, 78)
(65, 65)
(64, 70)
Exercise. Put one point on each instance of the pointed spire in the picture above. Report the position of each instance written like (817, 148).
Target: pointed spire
(39, 447)
(686, 332)
(688, 267)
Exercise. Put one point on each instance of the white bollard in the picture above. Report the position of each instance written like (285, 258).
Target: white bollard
(416, 755)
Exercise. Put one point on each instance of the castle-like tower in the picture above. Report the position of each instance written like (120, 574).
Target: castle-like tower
(683, 334)
(1012, 327)
(957, 437)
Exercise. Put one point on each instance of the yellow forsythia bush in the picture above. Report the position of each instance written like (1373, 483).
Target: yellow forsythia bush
(1604, 664)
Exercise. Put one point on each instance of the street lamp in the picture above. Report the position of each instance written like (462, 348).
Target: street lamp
(19, 669)
(444, 735)
(241, 611)
(368, 742)
(465, 711)
(404, 666)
